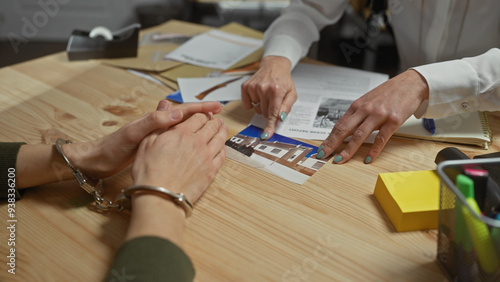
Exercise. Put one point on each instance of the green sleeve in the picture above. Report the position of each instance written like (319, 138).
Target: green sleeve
(150, 259)
(8, 158)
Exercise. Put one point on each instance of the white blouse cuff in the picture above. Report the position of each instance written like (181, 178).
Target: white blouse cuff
(451, 85)
(283, 46)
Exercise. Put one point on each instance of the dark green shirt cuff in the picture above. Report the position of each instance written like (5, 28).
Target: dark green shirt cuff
(151, 259)
(8, 159)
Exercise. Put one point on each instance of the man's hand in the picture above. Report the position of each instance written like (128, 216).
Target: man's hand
(108, 155)
(184, 158)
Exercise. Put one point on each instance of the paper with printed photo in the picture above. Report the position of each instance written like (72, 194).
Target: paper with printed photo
(285, 157)
(324, 95)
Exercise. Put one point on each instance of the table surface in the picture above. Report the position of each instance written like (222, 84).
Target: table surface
(249, 226)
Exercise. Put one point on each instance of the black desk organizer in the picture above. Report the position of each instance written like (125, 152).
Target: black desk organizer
(124, 44)
(463, 261)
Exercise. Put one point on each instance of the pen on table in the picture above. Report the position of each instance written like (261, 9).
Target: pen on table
(478, 230)
(429, 124)
(203, 94)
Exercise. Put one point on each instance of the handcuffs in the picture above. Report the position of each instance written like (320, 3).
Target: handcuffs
(123, 199)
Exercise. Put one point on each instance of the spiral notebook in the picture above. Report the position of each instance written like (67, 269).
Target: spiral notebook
(469, 129)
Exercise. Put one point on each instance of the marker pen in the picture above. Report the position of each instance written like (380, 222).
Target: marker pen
(480, 178)
(464, 249)
(478, 230)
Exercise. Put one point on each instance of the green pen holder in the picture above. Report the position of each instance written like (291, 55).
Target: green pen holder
(468, 241)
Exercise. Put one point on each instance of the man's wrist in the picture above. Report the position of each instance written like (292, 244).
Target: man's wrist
(161, 204)
(156, 216)
(165, 193)
(64, 172)
(80, 155)
(40, 164)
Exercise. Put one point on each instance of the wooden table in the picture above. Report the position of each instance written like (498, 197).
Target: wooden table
(249, 226)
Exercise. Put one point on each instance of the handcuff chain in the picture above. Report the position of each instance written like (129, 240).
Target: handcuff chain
(87, 183)
(108, 204)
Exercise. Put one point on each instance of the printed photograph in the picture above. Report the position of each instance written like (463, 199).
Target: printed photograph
(330, 111)
(282, 156)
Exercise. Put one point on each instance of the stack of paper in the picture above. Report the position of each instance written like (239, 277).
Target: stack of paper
(160, 55)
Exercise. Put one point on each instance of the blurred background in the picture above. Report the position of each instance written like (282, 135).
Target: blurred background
(35, 28)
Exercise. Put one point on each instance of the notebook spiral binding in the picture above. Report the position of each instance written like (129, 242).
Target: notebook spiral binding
(486, 129)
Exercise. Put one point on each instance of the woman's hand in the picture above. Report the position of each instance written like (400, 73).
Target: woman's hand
(184, 158)
(270, 91)
(385, 108)
(110, 154)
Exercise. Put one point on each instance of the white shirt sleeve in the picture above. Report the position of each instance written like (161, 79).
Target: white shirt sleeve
(299, 25)
(461, 86)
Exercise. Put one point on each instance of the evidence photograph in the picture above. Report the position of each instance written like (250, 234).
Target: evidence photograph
(285, 157)
(330, 111)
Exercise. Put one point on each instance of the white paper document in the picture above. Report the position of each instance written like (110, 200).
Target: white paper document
(215, 49)
(225, 88)
(324, 95)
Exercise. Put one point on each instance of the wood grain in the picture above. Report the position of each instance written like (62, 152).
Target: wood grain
(249, 226)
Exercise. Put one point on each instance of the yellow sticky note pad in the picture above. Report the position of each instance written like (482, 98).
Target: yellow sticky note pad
(410, 199)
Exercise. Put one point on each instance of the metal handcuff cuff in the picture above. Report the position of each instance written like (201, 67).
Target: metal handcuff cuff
(122, 201)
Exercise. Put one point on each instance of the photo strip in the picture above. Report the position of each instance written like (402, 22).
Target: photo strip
(285, 157)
